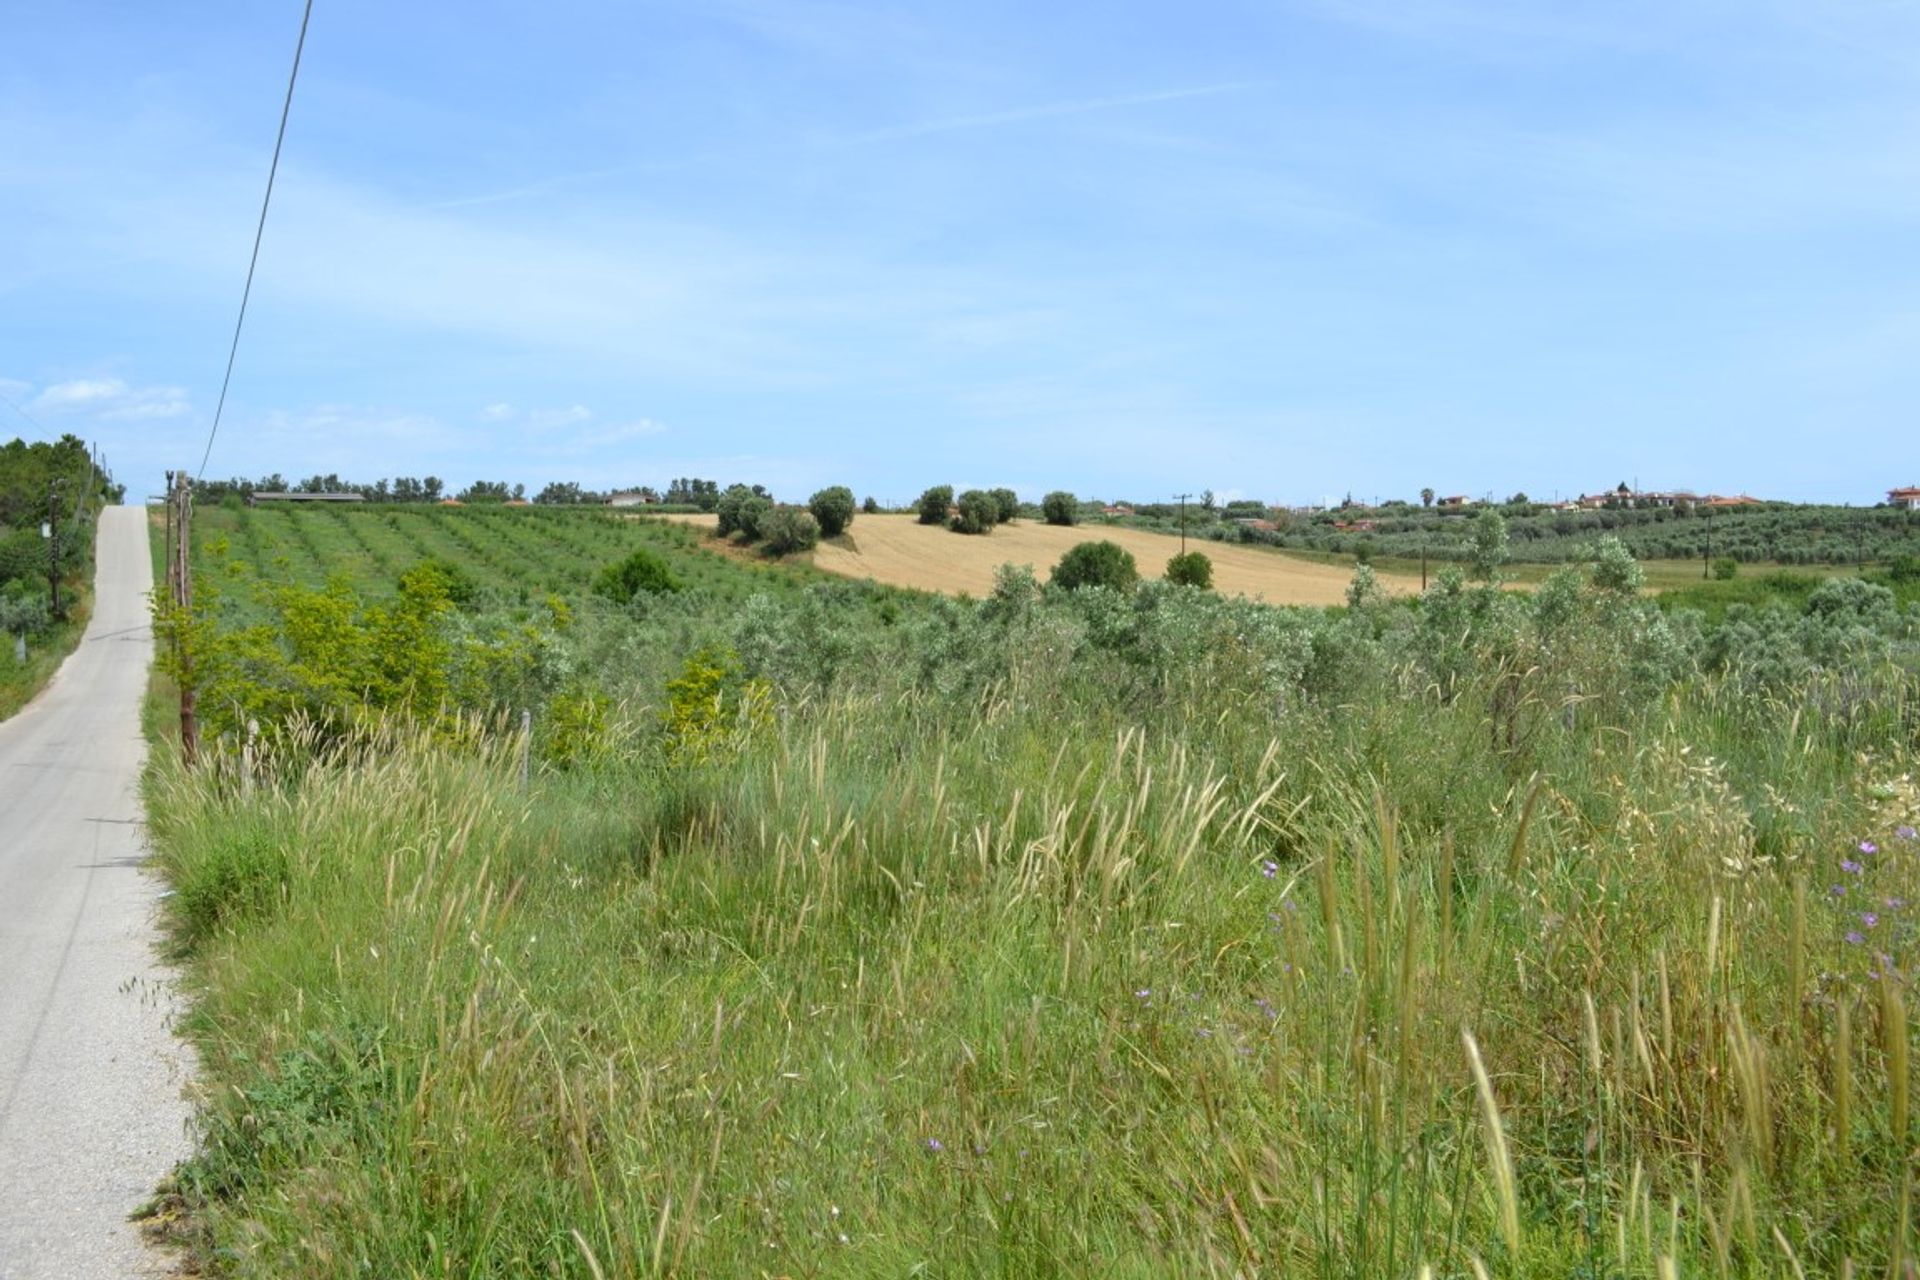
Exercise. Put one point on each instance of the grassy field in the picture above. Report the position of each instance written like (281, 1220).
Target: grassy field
(1059, 935)
(899, 551)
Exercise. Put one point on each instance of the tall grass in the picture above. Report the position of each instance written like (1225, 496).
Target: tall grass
(1036, 991)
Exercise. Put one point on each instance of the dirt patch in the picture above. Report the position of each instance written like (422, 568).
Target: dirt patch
(901, 552)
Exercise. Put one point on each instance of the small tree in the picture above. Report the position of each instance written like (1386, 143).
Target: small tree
(1096, 564)
(1006, 503)
(1426, 497)
(1061, 508)
(1191, 569)
(833, 508)
(870, 507)
(728, 507)
(977, 512)
(641, 572)
(1489, 545)
(754, 511)
(935, 503)
(789, 529)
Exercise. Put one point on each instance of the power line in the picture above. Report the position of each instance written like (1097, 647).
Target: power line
(259, 231)
(14, 405)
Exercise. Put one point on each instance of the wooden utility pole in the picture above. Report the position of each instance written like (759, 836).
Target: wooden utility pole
(180, 588)
(53, 547)
(1183, 520)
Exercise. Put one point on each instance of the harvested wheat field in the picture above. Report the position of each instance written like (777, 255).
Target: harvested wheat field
(901, 552)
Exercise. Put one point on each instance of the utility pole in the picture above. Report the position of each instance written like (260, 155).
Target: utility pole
(1183, 520)
(1706, 558)
(53, 547)
(180, 587)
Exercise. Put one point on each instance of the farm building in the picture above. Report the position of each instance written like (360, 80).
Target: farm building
(631, 499)
(255, 499)
(1908, 497)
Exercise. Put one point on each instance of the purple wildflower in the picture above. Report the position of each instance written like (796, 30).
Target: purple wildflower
(1894, 904)
(1855, 937)
(935, 1145)
(1838, 890)
(1868, 846)
(1903, 832)
(1869, 919)
(1143, 993)
(1849, 866)
(1269, 869)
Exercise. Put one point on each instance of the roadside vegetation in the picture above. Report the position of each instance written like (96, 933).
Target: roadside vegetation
(38, 481)
(1110, 928)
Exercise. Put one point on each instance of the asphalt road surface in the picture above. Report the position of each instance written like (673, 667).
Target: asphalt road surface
(91, 1112)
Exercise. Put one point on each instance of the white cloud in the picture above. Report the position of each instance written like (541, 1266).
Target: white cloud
(497, 412)
(550, 419)
(111, 400)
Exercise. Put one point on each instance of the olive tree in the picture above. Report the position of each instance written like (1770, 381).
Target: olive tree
(1061, 508)
(1096, 564)
(976, 512)
(934, 504)
(832, 507)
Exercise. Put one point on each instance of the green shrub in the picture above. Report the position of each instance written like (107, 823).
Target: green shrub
(23, 556)
(1061, 508)
(934, 504)
(1191, 569)
(789, 529)
(24, 610)
(870, 507)
(1903, 569)
(977, 512)
(832, 508)
(1006, 503)
(643, 571)
(728, 508)
(451, 580)
(1096, 564)
(754, 512)
(1725, 568)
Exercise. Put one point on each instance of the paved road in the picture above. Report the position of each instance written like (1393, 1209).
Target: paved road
(91, 1114)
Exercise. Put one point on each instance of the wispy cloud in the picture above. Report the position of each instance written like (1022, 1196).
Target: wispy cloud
(1042, 111)
(111, 400)
(552, 419)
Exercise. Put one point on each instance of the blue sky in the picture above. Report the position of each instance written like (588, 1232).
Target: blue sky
(1279, 250)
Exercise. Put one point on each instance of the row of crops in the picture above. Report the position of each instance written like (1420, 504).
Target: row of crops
(516, 552)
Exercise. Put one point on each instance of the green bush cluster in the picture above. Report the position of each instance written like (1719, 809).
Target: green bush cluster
(975, 511)
(1191, 569)
(832, 509)
(935, 504)
(1096, 564)
(1061, 508)
(640, 572)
